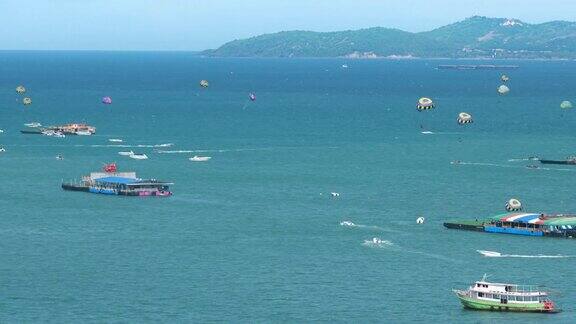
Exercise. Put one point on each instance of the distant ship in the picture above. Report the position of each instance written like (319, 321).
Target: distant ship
(477, 67)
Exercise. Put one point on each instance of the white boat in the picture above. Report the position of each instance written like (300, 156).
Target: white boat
(58, 134)
(126, 153)
(489, 253)
(115, 140)
(138, 156)
(2, 149)
(1, 131)
(83, 133)
(490, 296)
(59, 157)
(33, 125)
(427, 132)
(197, 158)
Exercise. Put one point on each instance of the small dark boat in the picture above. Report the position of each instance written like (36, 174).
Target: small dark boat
(569, 161)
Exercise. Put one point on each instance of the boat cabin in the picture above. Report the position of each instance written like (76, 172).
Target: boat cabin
(507, 293)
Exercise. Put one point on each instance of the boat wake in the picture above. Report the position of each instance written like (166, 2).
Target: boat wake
(236, 150)
(493, 254)
(509, 166)
(377, 242)
(127, 145)
(369, 227)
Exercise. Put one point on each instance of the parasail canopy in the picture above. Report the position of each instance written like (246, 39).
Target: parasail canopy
(504, 78)
(27, 101)
(503, 89)
(566, 104)
(513, 205)
(464, 118)
(107, 100)
(110, 168)
(204, 83)
(252, 96)
(425, 104)
(20, 89)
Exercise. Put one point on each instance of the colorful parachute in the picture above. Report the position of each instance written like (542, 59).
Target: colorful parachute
(504, 78)
(566, 104)
(513, 205)
(20, 89)
(252, 96)
(204, 83)
(464, 118)
(27, 101)
(107, 100)
(503, 89)
(425, 104)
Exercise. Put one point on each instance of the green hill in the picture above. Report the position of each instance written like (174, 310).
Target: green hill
(472, 37)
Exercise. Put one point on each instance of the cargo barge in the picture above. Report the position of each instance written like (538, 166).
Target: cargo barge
(528, 224)
(112, 182)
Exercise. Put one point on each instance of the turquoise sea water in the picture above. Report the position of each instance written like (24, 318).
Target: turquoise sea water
(252, 235)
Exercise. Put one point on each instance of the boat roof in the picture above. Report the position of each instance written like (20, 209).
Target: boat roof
(533, 218)
(117, 180)
(131, 181)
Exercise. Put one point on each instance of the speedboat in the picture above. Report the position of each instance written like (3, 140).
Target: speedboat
(83, 133)
(59, 134)
(1, 131)
(2, 149)
(126, 153)
(59, 157)
(197, 158)
(489, 253)
(33, 125)
(138, 156)
(115, 140)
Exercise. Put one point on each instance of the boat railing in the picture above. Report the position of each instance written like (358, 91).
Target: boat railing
(523, 288)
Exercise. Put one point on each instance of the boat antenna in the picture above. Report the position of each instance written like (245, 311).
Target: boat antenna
(485, 276)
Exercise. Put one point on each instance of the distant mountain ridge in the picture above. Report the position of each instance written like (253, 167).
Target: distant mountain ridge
(474, 37)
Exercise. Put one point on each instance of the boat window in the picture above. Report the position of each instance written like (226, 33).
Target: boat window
(496, 296)
(480, 294)
(489, 296)
(512, 298)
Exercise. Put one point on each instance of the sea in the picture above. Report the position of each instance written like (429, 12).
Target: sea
(254, 235)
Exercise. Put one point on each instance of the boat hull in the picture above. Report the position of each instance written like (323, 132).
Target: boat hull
(557, 162)
(484, 305)
(115, 192)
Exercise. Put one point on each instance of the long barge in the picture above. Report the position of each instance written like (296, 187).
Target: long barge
(67, 129)
(477, 67)
(527, 224)
(111, 182)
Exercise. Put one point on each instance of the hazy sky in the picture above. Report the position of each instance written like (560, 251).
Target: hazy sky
(197, 25)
